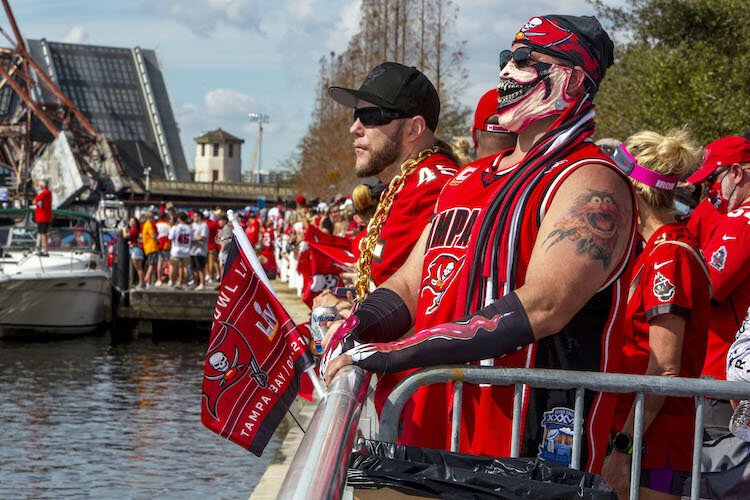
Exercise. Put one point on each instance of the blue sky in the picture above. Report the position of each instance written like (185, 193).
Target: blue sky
(223, 59)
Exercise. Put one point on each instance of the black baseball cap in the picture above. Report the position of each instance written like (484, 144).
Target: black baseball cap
(396, 87)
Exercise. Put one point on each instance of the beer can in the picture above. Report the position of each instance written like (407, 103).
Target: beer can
(320, 314)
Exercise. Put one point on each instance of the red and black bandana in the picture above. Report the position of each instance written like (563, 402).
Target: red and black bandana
(579, 39)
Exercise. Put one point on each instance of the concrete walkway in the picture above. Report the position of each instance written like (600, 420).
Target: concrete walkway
(270, 484)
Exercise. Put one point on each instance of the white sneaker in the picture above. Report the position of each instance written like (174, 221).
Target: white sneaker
(158, 284)
(170, 284)
(200, 287)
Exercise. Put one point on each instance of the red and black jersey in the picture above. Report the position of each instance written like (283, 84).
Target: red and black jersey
(670, 277)
(409, 214)
(727, 253)
(588, 342)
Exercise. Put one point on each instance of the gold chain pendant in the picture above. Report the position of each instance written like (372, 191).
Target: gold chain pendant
(368, 243)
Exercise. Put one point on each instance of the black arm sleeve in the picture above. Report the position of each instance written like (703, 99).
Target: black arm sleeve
(383, 317)
(493, 331)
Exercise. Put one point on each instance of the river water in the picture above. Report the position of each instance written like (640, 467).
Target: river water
(85, 418)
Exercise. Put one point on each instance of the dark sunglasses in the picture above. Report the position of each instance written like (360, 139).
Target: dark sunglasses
(374, 116)
(521, 57)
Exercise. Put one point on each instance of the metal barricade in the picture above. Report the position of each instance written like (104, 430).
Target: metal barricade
(563, 379)
(318, 469)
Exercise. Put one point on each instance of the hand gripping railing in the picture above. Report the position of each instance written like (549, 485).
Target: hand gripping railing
(563, 379)
(318, 469)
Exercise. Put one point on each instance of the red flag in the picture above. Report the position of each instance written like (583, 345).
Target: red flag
(306, 388)
(254, 359)
(323, 262)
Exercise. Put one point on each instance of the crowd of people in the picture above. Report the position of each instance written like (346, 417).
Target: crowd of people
(548, 251)
(528, 245)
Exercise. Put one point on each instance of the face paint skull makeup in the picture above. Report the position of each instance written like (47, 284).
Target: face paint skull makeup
(529, 94)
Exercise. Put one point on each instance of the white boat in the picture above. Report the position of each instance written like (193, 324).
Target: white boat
(67, 291)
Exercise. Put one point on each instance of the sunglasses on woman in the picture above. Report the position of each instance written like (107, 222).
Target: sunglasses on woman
(374, 116)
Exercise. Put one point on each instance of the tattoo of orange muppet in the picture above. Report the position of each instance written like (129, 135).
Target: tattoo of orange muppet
(591, 222)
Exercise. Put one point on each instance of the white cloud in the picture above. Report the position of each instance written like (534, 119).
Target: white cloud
(228, 104)
(76, 35)
(203, 17)
(347, 26)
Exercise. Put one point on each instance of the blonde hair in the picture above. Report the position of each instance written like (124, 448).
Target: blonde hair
(676, 154)
(461, 148)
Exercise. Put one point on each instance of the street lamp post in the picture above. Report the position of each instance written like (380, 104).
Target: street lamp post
(261, 119)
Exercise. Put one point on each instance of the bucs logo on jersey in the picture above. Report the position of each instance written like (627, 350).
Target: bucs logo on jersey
(663, 288)
(440, 274)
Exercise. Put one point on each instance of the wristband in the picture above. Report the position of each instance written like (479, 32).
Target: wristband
(383, 317)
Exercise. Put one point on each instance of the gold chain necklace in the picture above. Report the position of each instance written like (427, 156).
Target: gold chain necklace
(370, 240)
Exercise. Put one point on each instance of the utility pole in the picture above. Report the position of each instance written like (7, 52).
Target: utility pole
(261, 119)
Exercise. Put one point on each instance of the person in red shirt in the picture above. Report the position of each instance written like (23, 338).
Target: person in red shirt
(252, 228)
(525, 263)
(489, 137)
(212, 269)
(43, 215)
(667, 316)
(396, 113)
(723, 229)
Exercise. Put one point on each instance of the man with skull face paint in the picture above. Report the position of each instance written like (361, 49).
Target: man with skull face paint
(540, 238)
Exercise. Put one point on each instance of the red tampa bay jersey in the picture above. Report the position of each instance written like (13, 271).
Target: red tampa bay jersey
(669, 277)
(409, 214)
(727, 253)
(588, 343)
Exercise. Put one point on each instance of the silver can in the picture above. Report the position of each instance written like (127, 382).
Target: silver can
(321, 314)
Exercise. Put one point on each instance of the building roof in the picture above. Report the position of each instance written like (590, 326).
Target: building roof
(218, 135)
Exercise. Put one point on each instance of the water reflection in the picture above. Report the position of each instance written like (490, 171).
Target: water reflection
(84, 417)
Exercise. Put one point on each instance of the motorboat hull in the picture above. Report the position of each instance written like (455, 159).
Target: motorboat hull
(72, 303)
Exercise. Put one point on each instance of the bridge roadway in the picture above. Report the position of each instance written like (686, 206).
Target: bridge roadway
(227, 192)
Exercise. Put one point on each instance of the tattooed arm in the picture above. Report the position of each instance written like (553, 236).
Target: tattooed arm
(582, 239)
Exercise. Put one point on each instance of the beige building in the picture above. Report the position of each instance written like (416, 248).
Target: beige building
(217, 157)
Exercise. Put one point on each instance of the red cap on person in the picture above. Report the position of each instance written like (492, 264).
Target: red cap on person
(301, 201)
(722, 153)
(486, 107)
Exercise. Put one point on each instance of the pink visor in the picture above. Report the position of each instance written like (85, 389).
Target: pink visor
(629, 165)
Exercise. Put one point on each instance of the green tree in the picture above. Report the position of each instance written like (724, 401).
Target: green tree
(677, 62)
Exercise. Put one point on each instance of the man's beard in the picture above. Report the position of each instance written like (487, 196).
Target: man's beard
(381, 157)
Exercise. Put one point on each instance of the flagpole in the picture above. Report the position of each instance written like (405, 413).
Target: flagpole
(249, 252)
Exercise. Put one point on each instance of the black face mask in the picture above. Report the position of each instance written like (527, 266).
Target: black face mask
(512, 92)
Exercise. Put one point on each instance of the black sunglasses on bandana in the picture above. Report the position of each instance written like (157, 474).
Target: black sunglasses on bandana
(521, 57)
(374, 116)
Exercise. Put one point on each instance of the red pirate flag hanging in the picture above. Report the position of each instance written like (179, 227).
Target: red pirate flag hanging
(254, 359)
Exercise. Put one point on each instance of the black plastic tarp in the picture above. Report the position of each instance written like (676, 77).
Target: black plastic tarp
(443, 474)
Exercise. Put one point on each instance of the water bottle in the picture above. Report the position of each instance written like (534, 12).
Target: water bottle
(320, 314)
(739, 424)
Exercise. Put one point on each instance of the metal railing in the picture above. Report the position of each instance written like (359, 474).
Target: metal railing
(318, 469)
(563, 379)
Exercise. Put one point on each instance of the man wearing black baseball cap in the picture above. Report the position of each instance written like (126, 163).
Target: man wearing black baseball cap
(396, 113)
